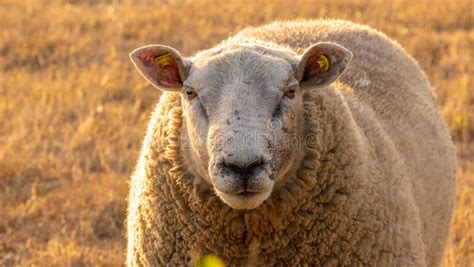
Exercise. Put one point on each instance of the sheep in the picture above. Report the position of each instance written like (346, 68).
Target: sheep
(315, 142)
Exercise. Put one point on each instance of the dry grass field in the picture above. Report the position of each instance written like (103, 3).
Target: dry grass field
(73, 110)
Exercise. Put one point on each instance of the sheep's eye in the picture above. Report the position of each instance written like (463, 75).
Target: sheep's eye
(290, 93)
(191, 94)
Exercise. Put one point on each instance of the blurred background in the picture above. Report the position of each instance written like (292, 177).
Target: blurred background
(73, 111)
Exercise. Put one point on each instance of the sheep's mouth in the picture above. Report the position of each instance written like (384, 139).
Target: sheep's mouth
(240, 187)
(247, 194)
(244, 196)
(244, 200)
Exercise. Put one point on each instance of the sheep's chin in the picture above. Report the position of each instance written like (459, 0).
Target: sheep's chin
(243, 202)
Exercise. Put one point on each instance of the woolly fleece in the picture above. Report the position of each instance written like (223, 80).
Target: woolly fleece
(376, 185)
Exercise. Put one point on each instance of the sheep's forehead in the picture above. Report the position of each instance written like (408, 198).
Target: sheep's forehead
(238, 70)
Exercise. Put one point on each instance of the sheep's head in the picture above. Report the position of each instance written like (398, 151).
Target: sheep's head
(243, 110)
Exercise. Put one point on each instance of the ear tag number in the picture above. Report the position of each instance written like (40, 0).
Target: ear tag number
(323, 62)
(163, 60)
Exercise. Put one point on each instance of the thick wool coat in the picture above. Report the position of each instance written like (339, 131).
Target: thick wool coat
(375, 187)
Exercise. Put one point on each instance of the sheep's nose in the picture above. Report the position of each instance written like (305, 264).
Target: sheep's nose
(244, 169)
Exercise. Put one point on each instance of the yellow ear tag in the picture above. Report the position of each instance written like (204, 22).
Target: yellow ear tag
(323, 62)
(163, 60)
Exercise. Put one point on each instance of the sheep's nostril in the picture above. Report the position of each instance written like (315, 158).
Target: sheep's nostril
(243, 168)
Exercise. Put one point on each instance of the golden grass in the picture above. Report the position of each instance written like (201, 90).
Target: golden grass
(73, 111)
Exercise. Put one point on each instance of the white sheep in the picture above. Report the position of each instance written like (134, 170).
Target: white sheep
(256, 153)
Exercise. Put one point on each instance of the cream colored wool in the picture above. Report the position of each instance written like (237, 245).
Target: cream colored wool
(375, 188)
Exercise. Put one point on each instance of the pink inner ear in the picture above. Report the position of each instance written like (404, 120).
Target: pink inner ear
(169, 74)
(166, 75)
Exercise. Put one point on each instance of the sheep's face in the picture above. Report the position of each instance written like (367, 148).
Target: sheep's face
(243, 111)
(240, 106)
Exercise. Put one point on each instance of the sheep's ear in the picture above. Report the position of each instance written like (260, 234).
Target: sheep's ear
(161, 65)
(322, 64)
